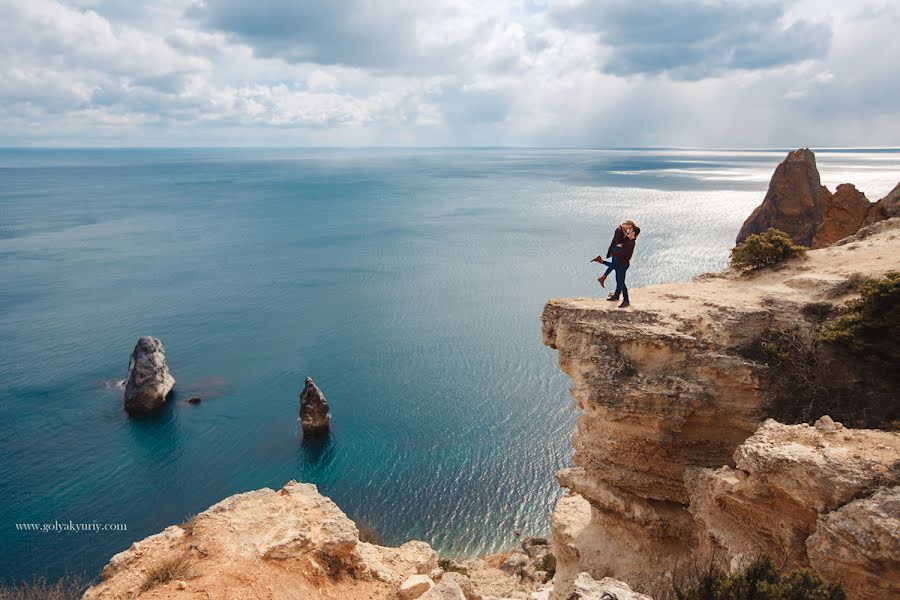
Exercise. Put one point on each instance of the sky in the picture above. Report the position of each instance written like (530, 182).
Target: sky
(570, 73)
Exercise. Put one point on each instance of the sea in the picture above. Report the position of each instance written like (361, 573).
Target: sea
(408, 283)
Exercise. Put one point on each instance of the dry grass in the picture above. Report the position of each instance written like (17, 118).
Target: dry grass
(68, 587)
(189, 523)
(180, 566)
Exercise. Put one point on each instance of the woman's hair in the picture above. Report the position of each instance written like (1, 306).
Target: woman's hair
(630, 222)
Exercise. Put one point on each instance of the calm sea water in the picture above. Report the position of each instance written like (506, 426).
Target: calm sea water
(408, 284)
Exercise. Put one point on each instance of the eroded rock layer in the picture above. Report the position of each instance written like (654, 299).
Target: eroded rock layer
(808, 496)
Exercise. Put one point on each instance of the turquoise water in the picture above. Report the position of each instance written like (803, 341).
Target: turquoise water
(407, 283)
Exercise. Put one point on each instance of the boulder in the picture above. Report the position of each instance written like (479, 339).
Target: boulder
(149, 383)
(446, 590)
(314, 417)
(415, 586)
(587, 588)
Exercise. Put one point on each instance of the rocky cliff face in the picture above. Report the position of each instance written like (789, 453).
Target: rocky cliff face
(676, 384)
(806, 496)
(798, 204)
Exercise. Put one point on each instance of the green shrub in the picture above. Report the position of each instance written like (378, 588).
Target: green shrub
(870, 324)
(765, 249)
(762, 581)
(548, 564)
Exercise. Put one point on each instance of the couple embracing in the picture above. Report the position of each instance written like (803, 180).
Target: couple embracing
(619, 254)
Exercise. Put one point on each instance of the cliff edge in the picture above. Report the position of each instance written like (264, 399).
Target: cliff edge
(678, 383)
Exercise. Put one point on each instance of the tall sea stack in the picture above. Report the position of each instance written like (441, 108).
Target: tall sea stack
(314, 417)
(149, 383)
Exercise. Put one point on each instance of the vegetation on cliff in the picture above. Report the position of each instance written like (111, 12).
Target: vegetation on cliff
(765, 249)
(761, 581)
(870, 325)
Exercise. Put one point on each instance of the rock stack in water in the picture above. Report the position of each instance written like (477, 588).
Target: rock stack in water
(149, 383)
(314, 417)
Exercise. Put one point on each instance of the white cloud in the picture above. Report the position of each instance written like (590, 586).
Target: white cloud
(447, 72)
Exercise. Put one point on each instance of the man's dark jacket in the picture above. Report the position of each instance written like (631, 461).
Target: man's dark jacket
(624, 253)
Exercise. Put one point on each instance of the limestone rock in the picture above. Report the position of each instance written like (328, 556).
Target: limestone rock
(149, 383)
(587, 588)
(859, 546)
(464, 583)
(445, 590)
(787, 477)
(515, 564)
(314, 417)
(414, 586)
(292, 544)
(792, 203)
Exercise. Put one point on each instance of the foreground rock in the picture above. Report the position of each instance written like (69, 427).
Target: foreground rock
(314, 417)
(798, 204)
(859, 545)
(149, 383)
(807, 496)
(290, 544)
(297, 544)
(585, 587)
(681, 380)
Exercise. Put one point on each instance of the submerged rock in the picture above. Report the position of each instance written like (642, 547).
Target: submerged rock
(314, 417)
(149, 383)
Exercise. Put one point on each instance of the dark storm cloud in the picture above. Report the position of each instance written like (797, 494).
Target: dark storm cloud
(355, 33)
(692, 39)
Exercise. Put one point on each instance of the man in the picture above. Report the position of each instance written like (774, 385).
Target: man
(622, 255)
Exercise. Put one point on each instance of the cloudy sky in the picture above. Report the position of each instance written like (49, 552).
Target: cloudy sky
(585, 73)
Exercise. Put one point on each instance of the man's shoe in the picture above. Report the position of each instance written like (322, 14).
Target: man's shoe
(625, 304)
(602, 280)
(612, 297)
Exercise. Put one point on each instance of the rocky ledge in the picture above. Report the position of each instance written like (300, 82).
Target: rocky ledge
(670, 390)
(297, 544)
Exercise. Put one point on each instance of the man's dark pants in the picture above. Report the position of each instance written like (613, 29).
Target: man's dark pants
(621, 288)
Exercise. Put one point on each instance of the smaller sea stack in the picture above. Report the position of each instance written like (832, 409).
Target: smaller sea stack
(149, 383)
(314, 417)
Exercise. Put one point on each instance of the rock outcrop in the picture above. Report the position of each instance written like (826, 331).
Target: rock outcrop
(293, 543)
(798, 204)
(789, 482)
(149, 383)
(314, 417)
(859, 545)
(681, 380)
(297, 544)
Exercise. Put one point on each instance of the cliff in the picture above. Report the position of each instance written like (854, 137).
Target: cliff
(674, 387)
